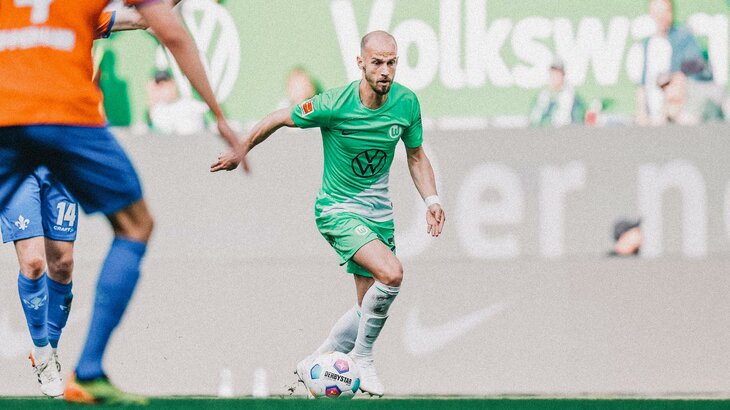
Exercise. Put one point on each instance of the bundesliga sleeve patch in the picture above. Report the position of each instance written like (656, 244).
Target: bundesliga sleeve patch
(307, 108)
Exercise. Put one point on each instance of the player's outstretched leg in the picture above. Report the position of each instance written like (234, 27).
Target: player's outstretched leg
(340, 339)
(388, 273)
(115, 287)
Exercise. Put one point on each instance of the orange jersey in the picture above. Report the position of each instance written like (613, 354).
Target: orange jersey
(45, 61)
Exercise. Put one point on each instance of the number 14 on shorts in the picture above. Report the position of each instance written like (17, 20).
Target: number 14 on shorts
(66, 212)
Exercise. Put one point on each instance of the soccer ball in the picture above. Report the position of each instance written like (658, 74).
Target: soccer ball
(333, 375)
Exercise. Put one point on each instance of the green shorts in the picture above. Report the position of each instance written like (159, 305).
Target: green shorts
(347, 233)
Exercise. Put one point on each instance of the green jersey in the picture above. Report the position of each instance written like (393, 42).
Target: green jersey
(359, 144)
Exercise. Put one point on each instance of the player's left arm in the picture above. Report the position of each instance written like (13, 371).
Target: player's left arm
(128, 19)
(172, 34)
(425, 181)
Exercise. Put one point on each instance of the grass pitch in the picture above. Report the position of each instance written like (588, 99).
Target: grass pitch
(409, 403)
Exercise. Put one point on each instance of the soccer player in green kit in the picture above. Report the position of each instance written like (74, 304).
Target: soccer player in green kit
(361, 124)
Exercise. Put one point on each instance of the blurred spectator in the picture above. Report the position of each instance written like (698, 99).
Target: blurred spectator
(690, 102)
(557, 104)
(170, 114)
(116, 104)
(671, 49)
(299, 87)
(627, 237)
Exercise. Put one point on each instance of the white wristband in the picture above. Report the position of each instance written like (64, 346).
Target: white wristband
(430, 200)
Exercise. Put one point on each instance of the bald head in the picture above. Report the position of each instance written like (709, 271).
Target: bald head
(378, 40)
(378, 60)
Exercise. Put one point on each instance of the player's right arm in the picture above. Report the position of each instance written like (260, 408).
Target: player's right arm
(315, 112)
(259, 133)
(171, 33)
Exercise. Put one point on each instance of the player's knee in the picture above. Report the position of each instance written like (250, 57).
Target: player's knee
(61, 269)
(140, 230)
(32, 266)
(134, 222)
(146, 226)
(392, 275)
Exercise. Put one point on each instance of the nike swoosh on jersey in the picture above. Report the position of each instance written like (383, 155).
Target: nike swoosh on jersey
(420, 339)
(349, 132)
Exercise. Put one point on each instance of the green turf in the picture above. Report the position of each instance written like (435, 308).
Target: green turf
(204, 403)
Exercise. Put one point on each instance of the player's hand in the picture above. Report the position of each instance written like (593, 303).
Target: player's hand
(435, 218)
(236, 147)
(229, 160)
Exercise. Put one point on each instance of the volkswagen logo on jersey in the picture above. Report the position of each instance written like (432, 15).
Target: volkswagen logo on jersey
(369, 163)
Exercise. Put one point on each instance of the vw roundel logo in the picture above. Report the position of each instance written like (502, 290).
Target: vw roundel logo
(369, 163)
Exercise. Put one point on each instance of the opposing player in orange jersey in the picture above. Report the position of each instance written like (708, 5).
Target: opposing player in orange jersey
(41, 221)
(49, 116)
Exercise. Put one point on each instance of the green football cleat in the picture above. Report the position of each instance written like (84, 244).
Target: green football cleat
(99, 391)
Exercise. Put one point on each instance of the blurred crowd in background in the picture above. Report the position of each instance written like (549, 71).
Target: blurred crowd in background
(676, 86)
(676, 83)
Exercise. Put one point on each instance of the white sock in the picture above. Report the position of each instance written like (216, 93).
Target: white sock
(343, 333)
(375, 307)
(42, 354)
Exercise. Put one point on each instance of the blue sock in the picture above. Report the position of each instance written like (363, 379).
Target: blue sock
(59, 306)
(116, 284)
(34, 298)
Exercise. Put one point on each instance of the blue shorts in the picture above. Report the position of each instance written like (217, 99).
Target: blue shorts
(41, 207)
(87, 160)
